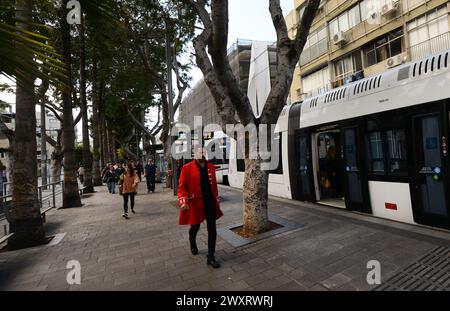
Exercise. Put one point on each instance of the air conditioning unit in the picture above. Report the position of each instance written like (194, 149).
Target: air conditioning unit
(339, 38)
(396, 60)
(389, 8)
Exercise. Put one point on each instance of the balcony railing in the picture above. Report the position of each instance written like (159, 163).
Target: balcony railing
(431, 46)
(313, 52)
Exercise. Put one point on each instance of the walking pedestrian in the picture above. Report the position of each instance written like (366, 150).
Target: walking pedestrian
(120, 170)
(150, 175)
(111, 179)
(198, 200)
(128, 181)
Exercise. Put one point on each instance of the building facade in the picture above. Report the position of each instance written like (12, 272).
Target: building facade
(52, 125)
(253, 64)
(353, 39)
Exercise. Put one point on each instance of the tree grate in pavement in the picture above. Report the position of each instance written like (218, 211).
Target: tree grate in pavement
(430, 273)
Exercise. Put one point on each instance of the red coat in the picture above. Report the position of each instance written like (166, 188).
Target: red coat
(190, 193)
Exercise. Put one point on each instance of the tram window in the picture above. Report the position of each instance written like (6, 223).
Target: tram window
(375, 153)
(396, 153)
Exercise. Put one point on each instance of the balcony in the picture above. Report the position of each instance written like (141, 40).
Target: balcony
(431, 46)
(313, 52)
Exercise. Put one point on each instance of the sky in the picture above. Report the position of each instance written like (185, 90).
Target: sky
(250, 19)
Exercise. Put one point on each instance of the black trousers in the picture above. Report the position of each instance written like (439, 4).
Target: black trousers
(125, 201)
(151, 184)
(210, 212)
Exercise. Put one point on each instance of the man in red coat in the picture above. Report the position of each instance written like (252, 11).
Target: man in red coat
(198, 199)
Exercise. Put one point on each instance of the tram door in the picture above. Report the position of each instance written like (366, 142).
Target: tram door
(430, 184)
(305, 189)
(356, 187)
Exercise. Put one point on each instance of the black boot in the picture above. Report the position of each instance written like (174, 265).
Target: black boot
(211, 261)
(194, 249)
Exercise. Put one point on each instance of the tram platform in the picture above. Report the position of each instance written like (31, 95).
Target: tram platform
(329, 249)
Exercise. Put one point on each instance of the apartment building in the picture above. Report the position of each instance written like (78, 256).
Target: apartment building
(354, 39)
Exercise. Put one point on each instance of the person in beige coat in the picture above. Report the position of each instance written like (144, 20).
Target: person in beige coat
(128, 182)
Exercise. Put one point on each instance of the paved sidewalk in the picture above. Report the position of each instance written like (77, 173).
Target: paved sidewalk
(150, 251)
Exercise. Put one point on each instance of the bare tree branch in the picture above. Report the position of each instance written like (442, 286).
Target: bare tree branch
(158, 120)
(224, 105)
(77, 119)
(7, 131)
(55, 107)
(55, 113)
(139, 124)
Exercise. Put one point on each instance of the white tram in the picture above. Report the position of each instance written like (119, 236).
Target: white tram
(378, 146)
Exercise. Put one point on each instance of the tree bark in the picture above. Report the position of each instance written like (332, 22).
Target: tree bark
(96, 178)
(101, 126)
(24, 213)
(71, 196)
(255, 196)
(87, 160)
(112, 146)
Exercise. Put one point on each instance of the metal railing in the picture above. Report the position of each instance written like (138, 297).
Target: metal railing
(432, 46)
(48, 198)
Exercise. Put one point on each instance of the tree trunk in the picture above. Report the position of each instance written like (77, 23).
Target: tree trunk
(105, 144)
(71, 196)
(24, 213)
(112, 146)
(255, 196)
(101, 121)
(87, 160)
(56, 161)
(96, 178)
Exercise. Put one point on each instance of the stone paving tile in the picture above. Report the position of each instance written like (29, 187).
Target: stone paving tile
(335, 281)
(151, 252)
